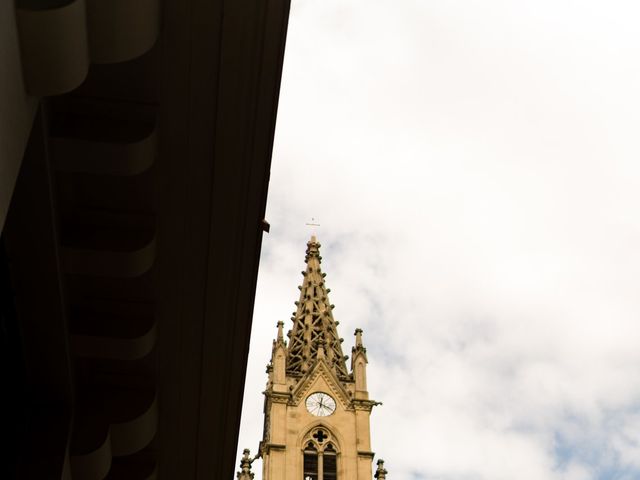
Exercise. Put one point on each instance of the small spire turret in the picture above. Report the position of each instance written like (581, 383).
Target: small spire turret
(359, 366)
(381, 472)
(245, 466)
(358, 348)
(278, 359)
(280, 331)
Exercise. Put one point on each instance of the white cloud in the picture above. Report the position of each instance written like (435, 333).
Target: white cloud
(474, 168)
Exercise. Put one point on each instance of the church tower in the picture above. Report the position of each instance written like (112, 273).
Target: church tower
(316, 423)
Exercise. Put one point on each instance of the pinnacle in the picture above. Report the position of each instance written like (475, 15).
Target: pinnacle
(381, 472)
(245, 466)
(280, 326)
(314, 332)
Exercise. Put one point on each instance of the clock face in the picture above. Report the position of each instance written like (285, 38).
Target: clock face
(320, 404)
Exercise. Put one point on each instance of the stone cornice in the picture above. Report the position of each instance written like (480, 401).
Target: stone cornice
(366, 454)
(277, 397)
(273, 446)
(365, 404)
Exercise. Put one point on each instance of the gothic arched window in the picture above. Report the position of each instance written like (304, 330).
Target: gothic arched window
(320, 456)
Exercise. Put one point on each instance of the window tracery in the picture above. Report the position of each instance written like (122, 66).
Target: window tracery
(320, 455)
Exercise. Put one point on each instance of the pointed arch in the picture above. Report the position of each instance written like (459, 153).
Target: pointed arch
(320, 453)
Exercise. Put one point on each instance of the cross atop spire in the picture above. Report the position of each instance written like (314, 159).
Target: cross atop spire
(314, 331)
(312, 223)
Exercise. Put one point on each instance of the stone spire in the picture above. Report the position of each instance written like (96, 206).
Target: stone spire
(314, 328)
(245, 466)
(381, 472)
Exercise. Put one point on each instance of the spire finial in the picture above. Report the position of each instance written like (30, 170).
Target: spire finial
(313, 251)
(245, 466)
(358, 334)
(280, 332)
(381, 472)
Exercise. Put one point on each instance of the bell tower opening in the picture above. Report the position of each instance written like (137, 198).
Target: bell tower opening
(330, 463)
(310, 469)
(320, 456)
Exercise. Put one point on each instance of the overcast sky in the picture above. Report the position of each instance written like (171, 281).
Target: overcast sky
(475, 168)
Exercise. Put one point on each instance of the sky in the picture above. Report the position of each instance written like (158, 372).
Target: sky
(474, 166)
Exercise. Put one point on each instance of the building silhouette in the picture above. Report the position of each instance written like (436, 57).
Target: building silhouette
(316, 410)
(135, 151)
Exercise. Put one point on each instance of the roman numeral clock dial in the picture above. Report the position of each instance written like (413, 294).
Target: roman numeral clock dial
(320, 404)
